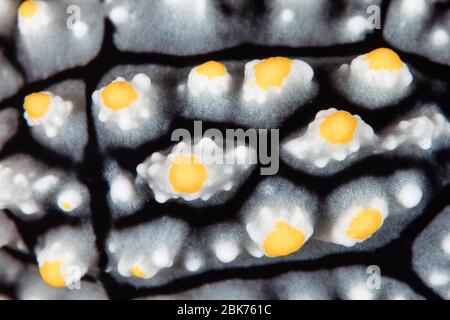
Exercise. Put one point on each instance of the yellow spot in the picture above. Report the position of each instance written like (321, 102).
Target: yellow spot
(28, 9)
(338, 128)
(118, 95)
(271, 72)
(187, 174)
(211, 69)
(383, 59)
(67, 205)
(137, 272)
(37, 104)
(283, 240)
(366, 223)
(52, 275)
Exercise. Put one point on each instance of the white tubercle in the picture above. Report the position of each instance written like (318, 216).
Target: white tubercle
(360, 292)
(122, 189)
(438, 278)
(227, 251)
(446, 244)
(69, 200)
(410, 195)
(119, 15)
(193, 263)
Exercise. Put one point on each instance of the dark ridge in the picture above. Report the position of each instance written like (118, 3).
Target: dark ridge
(394, 259)
(92, 172)
(32, 229)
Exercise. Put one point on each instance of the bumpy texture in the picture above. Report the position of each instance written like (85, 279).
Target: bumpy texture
(94, 206)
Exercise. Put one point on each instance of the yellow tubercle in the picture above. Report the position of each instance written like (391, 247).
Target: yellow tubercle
(383, 59)
(67, 206)
(338, 128)
(271, 72)
(137, 272)
(51, 273)
(37, 105)
(118, 95)
(187, 174)
(283, 240)
(28, 9)
(211, 69)
(365, 224)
